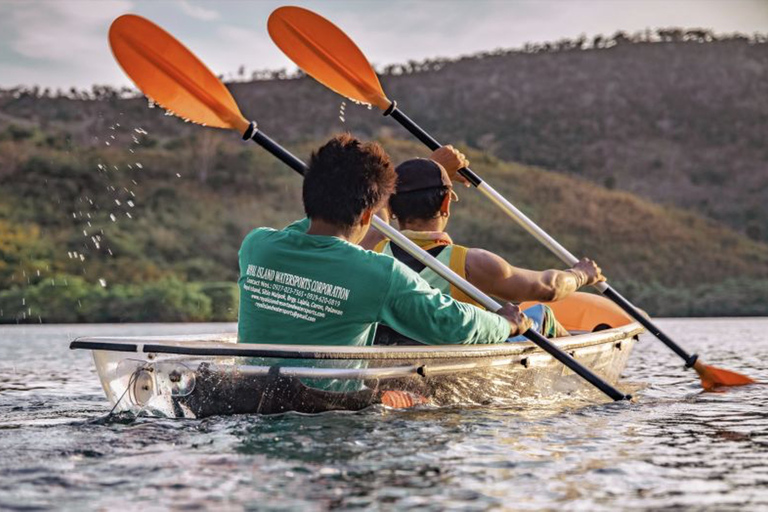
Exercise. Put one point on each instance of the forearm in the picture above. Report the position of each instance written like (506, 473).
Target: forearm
(530, 285)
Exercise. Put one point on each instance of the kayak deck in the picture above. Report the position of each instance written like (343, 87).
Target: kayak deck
(198, 376)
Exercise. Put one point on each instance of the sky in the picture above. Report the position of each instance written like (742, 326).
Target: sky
(63, 43)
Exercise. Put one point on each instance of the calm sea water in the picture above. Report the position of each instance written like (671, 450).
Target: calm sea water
(675, 447)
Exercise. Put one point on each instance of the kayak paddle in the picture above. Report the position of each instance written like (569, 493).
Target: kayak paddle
(326, 53)
(171, 76)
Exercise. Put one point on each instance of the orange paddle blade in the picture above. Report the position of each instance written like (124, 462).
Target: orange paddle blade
(712, 378)
(171, 76)
(325, 53)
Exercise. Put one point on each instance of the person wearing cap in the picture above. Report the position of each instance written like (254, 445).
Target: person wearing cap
(421, 205)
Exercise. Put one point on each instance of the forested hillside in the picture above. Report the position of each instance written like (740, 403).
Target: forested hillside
(111, 211)
(676, 116)
(132, 231)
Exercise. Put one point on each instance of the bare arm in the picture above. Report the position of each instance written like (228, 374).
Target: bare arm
(493, 275)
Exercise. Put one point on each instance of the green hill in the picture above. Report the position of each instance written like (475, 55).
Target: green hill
(147, 228)
(675, 116)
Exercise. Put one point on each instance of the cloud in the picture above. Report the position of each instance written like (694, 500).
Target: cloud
(198, 11)
(64, 42)
(59, 31)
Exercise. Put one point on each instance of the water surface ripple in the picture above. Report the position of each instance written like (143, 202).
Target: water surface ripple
(675, 447)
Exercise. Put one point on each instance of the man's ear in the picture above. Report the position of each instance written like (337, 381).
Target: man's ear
(366, 217)
(445, 206)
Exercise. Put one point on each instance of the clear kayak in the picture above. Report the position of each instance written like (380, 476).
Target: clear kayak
(199, 376)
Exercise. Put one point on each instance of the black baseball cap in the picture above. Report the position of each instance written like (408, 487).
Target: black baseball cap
(420, 174)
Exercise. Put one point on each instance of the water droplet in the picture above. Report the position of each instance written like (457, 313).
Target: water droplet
(128, 215)
(178, 175)
(103, 282)
(112, 216)
(139, 165)
(129, 203)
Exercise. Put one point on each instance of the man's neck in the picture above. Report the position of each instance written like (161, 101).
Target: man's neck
(323, 228)
(435, 224)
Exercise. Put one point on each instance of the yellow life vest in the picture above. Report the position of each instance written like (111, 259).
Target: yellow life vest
(453, 256)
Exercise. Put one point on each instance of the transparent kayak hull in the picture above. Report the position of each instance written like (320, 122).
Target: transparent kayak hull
(199, 376)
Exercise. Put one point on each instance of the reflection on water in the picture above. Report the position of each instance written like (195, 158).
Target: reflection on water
(674, 447)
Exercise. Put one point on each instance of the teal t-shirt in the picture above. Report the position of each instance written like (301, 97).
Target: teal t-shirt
(300, 289)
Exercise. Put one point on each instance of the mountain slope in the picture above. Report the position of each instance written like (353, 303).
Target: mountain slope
(680, 123)
(138, 232)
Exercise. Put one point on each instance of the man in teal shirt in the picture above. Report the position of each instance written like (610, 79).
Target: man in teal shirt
(310, 283)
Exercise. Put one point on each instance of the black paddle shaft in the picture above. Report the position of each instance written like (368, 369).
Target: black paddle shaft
(578, 368)
(612, 294)
(690, 359)
(276, 149)
(427, 139)
(297, 165)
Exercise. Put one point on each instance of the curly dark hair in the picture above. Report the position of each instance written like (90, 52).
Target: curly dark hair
(346, 177)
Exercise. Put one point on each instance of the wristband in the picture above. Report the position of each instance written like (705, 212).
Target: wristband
(581, 277)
